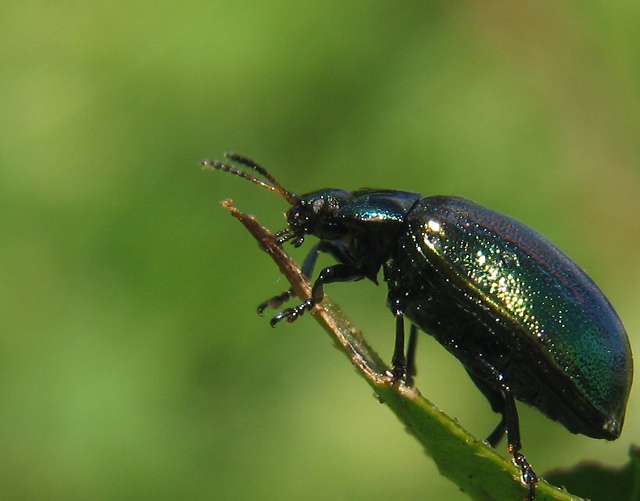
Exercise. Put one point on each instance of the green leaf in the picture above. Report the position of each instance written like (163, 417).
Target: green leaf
(596, 481)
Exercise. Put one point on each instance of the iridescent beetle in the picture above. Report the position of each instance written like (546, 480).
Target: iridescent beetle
(525, 321)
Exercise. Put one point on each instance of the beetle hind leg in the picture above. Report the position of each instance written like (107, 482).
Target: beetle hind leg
(503, 402)
(510, 416)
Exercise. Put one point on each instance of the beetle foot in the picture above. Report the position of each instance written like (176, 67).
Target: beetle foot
(275, 302)
(529, 476)
(292, 314)
(400, 374)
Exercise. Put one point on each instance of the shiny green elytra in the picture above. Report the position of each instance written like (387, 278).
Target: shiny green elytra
(508, 298)
(524, 320)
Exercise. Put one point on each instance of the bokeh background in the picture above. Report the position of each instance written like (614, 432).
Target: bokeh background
(132, 364)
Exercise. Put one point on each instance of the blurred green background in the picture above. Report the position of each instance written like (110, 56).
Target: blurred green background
(132, 363)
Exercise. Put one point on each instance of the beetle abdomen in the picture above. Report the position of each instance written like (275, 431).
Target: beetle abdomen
(534, 314)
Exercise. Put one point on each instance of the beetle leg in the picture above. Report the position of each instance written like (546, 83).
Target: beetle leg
(275, 302)
(404, 367)
(491, 382)
(399, 361)
(529, 477)
(336, 248)
(308, 266)
(497, 434)
(411, 354)
(496, 399)
(335, 273)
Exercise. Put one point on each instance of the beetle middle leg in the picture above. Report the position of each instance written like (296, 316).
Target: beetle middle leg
(496, 400)
(404, 366)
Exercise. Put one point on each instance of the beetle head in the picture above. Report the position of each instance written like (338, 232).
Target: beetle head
(312, 213)
(315, 214)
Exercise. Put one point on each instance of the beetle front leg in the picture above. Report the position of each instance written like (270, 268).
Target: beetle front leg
(336, 273)
(336, 248)
(308, 266)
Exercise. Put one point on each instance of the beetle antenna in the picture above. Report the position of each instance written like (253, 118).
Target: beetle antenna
(271, 185)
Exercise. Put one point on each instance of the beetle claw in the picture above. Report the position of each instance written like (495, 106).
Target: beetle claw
(398, 373)
(291, 314)
(275, 302)
(529, 476)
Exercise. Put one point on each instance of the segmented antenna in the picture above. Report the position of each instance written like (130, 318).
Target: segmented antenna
(271, 185)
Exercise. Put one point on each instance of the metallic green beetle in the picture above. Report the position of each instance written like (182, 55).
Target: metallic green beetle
(526, 322)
